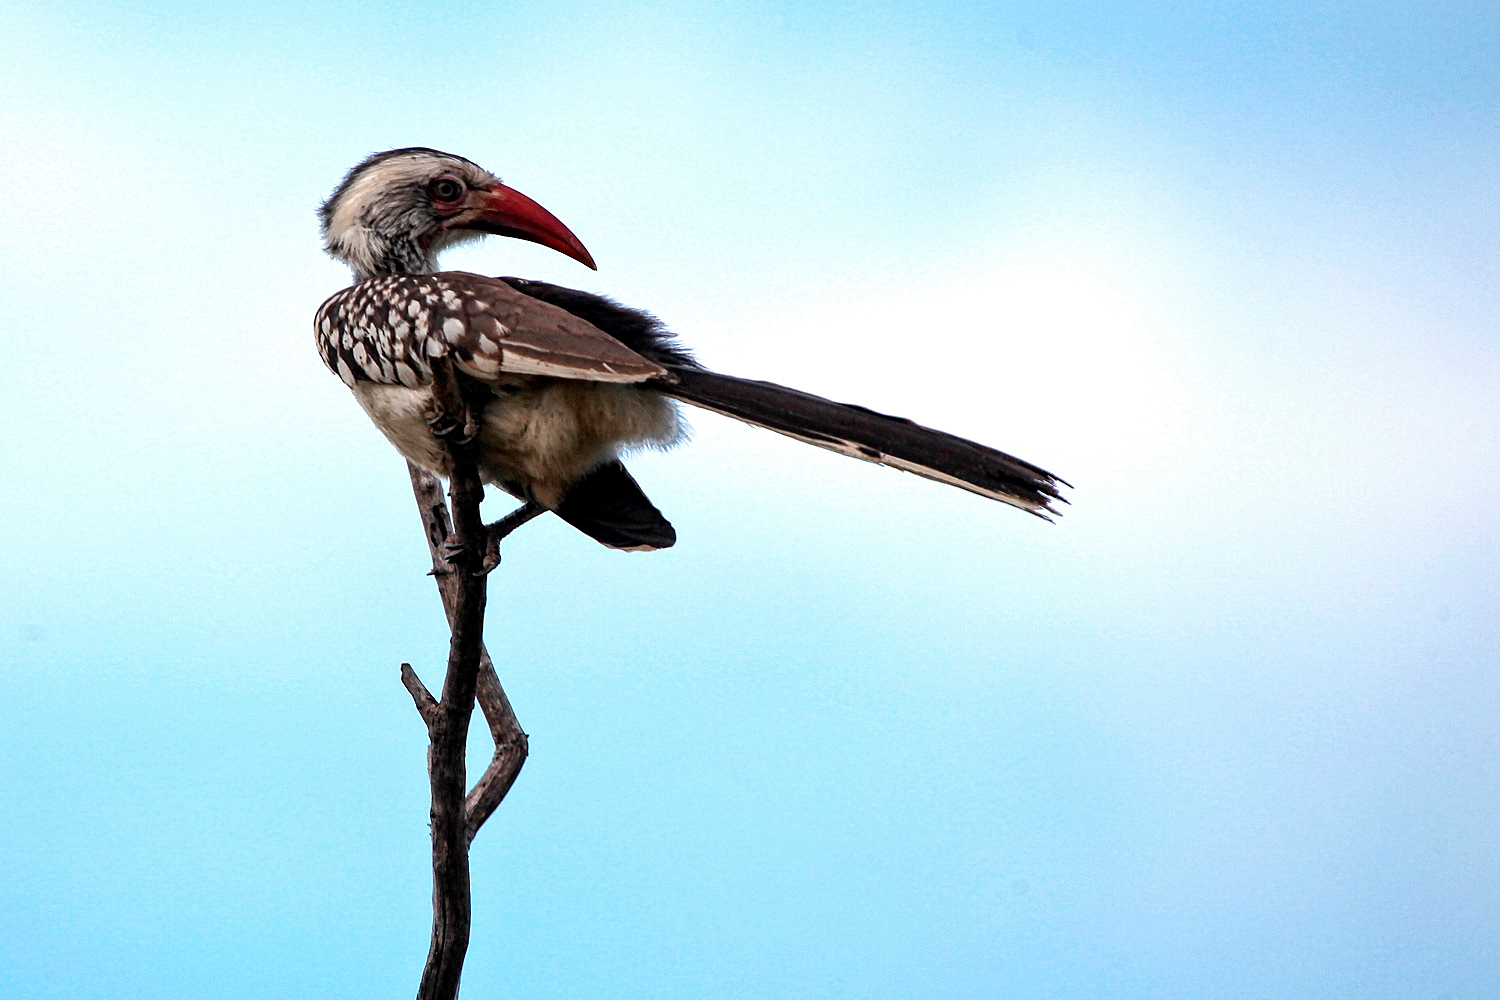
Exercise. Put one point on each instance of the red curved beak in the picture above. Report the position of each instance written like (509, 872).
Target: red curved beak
(505, 211)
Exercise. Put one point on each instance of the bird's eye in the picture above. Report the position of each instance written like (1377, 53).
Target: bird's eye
(445, 189)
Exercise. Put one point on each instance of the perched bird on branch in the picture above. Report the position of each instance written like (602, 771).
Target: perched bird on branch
(565, 381)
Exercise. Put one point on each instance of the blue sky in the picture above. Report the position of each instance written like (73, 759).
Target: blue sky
(1226, 730)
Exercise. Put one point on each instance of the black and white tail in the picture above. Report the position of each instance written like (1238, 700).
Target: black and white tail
(875, 437)
(841, 427)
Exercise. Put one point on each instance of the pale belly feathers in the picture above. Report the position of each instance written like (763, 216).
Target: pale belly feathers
(541, 433)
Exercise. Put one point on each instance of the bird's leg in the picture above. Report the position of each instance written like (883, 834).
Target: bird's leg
(454, 553)
(510, 522)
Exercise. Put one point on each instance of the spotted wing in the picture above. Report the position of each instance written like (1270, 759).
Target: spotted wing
(387, 329)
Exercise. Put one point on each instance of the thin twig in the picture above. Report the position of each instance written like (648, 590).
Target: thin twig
(427, 706)
(511, 748)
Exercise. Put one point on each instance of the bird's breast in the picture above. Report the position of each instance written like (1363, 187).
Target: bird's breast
(541, 433)
(401, 414)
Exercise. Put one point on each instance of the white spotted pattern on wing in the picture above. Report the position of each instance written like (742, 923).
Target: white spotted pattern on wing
(385, 329)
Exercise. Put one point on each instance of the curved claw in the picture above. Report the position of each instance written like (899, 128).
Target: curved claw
(447, 428)
(491, 558)
(457, 555)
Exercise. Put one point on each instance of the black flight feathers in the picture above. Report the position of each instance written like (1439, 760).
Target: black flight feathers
(640, 331)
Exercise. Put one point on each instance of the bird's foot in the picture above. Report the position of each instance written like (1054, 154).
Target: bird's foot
(458, 555)
(445, 427)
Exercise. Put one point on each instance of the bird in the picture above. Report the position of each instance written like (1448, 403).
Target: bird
(566, 382)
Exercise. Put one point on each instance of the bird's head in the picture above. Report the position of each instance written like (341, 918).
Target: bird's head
(397, 210)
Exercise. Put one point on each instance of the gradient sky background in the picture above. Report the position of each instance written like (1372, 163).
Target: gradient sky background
(1230, 729)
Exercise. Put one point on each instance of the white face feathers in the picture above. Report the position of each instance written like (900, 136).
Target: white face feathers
(381, 219)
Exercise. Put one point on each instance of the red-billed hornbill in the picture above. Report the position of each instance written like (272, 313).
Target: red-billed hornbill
(569, 379)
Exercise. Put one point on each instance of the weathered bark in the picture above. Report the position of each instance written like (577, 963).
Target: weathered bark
(510, 742)
(456, 818)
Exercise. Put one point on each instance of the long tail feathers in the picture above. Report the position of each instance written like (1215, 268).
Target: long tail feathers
(874, 437)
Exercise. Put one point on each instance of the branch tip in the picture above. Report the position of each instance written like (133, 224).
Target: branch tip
(427, 706)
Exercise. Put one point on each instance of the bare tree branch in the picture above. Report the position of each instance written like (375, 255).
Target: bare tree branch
(448, 733)
(511, 745)
(511, 748)
(459, 545)
(427, 705)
